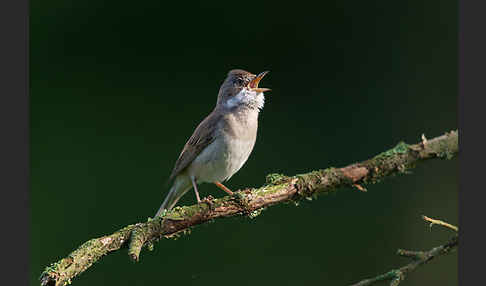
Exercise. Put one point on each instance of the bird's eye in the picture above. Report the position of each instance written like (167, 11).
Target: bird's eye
(239, 82)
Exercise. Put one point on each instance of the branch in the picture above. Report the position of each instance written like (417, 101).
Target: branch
(419, 258)
(251, 202)
(439, 222)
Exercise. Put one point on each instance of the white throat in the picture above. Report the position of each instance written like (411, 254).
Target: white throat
(247, 97)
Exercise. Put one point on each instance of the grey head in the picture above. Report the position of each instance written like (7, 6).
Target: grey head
(240, 90)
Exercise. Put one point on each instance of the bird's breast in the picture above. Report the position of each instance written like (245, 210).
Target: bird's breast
(237, 152)
(228, 152)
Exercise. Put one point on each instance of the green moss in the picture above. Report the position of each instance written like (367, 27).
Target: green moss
(444, 148)
(150, 246)
(270, 189)
(53, 268)
(388, 163)
(241, 199)
(256, 213)
(400, 148)
(309, 184)
(179, 234)
(333, 176)
(402, 169)
(239, 196)
(275, 179)
(181, 213)
(446, 155)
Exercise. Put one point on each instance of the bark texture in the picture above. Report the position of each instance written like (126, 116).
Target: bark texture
(251, 201)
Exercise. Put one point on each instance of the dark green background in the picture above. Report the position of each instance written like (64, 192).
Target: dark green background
(118, 87)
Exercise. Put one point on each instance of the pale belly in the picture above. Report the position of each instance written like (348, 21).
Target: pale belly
(221, 159)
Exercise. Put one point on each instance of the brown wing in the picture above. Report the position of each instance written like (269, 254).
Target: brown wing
(202, 137)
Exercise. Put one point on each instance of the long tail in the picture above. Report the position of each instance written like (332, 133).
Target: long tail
(181, 185)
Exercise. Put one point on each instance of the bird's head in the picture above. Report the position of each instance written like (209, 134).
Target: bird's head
(240, 89)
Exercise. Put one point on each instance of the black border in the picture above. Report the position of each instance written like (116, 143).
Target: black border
(472, 79)
(14, 126)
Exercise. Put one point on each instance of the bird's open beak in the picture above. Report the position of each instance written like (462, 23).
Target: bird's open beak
(253, 85)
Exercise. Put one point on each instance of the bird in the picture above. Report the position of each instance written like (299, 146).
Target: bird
(221, 144)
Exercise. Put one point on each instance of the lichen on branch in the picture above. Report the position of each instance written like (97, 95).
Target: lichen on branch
(250, 202)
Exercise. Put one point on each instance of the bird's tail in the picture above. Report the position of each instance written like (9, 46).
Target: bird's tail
(181, 185)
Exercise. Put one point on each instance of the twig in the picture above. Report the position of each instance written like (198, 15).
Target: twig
(396, 276)
(439, 222)
(359, 187)
(279, 189)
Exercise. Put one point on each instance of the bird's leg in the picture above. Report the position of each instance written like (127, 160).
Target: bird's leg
(223, 187)
(194, 185)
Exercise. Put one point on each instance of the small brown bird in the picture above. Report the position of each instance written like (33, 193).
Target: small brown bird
(223, 141)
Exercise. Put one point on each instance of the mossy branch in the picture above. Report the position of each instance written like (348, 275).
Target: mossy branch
(250, 202)
(419, 258)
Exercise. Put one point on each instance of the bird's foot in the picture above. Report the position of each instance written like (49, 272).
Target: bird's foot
(243, 202)
(209, 201)
(223, 187)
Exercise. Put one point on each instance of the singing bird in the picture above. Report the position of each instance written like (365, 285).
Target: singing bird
(223, 141)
